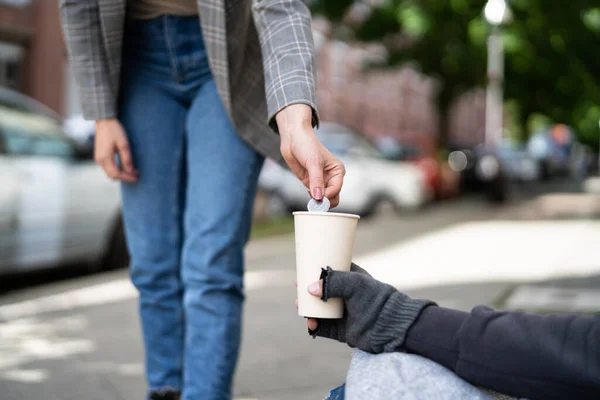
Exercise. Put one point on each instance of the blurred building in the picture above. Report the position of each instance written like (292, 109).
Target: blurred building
(397, 103)
(466, 119)
(32, 53)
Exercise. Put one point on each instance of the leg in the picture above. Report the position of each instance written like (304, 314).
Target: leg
(405, 376)
(152, 211)
(222, 177)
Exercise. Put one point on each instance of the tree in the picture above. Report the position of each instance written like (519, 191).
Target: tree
(552, 67)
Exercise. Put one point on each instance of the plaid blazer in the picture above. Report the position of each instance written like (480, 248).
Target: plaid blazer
(260, 52)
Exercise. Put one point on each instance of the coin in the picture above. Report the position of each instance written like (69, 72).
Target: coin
(318, 205)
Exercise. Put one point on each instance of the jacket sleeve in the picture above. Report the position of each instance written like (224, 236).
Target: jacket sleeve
(87, 57)
(285, 33)
(515, 353)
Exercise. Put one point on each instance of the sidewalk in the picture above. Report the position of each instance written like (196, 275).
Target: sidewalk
(539, 255)
(84, 343)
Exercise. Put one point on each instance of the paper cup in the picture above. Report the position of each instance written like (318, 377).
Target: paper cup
(322, 240)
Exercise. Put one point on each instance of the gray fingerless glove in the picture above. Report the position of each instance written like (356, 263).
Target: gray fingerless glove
(377, 316)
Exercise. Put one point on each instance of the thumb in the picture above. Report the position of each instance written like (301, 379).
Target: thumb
(315, 178)
(316, 288)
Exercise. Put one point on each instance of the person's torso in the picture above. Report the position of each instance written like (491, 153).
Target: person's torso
(148, 9)
(234, 55)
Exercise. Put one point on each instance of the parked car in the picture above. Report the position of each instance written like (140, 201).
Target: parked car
(18, 101)
(370, 181)
(441, 179)
(493, 170)
(393, 150)
(519, 165)
(480, 171)
(555, 150)
(56, 204)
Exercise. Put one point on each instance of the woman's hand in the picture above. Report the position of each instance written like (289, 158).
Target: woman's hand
(111, 140)
(319, 170)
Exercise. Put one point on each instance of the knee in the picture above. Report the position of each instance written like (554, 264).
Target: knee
(209, 276)
(213, 256)
(155, 269)
(212, 277)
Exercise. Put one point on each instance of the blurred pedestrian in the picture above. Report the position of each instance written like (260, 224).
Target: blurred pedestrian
(183, 93)
(409, 348)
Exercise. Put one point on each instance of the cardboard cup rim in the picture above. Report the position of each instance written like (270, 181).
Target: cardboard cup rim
(326, 214)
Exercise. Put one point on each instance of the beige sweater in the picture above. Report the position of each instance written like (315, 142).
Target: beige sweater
(146, 9)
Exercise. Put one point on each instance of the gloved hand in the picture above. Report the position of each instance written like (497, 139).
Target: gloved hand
(376, 317)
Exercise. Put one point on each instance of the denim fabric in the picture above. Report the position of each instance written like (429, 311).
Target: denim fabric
(405, 376)
(187, 218)
(337, 393)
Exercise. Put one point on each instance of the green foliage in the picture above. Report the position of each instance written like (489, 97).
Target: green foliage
(381, 22)
(333, 10)
(552, 63)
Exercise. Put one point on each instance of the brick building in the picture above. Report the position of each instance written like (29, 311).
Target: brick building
(398, 102)
(32, 53)
(466, 119)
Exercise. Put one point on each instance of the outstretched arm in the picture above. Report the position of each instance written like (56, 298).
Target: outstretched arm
(515, 353)
(285, 34)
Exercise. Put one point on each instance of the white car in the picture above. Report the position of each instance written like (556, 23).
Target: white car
(56, 207)
(370, 179)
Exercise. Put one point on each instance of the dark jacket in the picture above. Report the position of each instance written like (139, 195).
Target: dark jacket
(516, 353)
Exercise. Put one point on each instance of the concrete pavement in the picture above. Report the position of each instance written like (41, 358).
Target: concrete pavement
(80, 338)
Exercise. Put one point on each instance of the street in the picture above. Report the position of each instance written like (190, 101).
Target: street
(79, 338)
(465, 134)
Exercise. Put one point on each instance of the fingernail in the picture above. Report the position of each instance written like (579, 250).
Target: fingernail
(314, 287)
(318, 195)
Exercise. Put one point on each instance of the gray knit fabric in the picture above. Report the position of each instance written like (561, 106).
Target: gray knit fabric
(377, 317)
(392, 376)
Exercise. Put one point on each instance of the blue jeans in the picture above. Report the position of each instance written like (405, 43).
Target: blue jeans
(187, 218)
(339, 393)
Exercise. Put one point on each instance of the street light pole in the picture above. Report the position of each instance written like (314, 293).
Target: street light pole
(599, 148)
(496, 13)
(494, 91)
